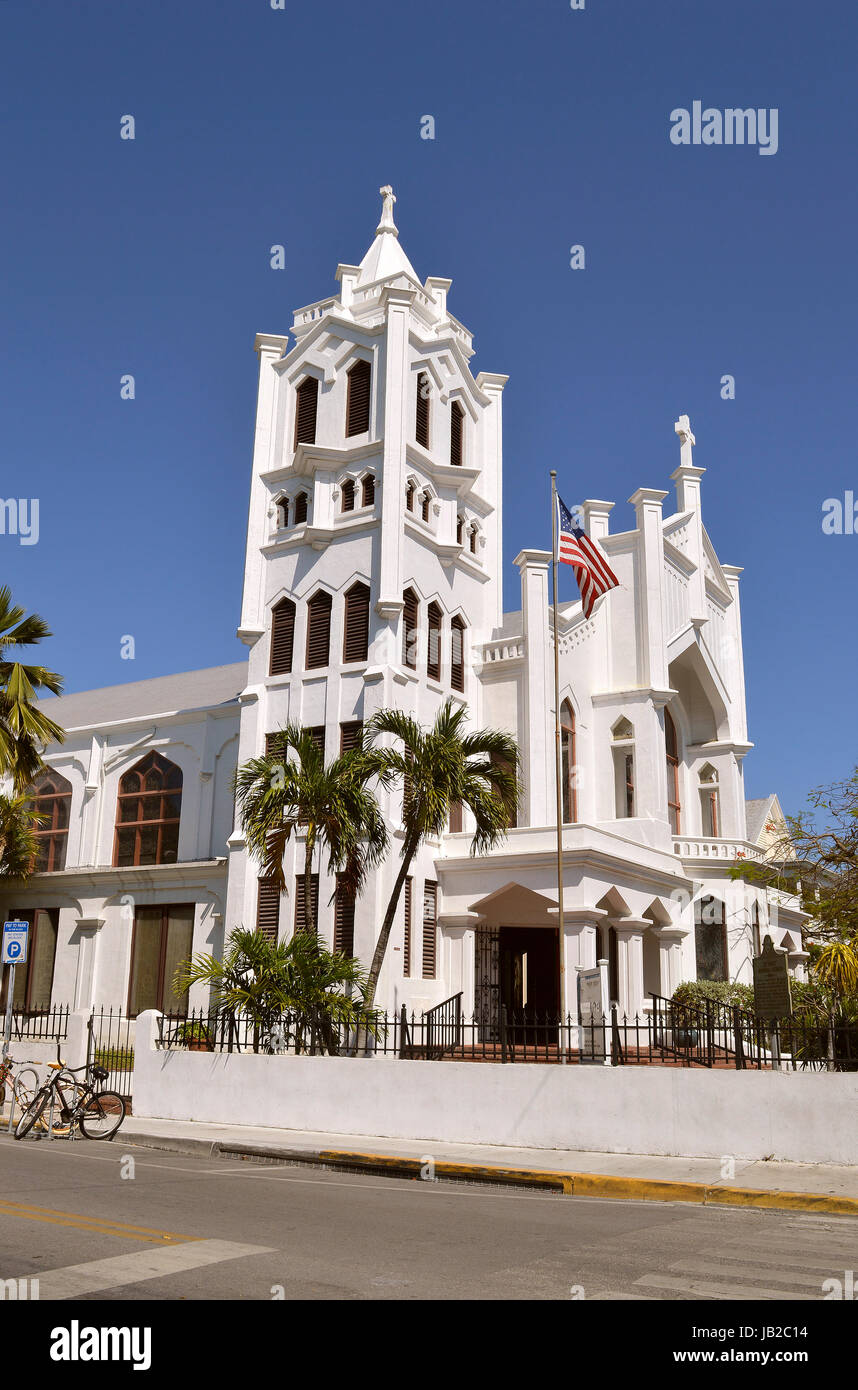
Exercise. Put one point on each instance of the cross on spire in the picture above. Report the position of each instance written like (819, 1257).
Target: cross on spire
(686, 440)
(387, 223)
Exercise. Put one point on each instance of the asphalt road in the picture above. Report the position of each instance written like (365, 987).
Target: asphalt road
(199, 1228)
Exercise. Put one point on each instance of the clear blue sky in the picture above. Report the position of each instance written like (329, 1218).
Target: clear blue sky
(257, 126)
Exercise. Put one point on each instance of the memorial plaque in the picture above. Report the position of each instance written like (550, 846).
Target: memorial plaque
(771, 983)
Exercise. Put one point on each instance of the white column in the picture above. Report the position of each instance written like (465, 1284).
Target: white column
(630, 966)
(537, 739)
(580, 951)
(670, 941)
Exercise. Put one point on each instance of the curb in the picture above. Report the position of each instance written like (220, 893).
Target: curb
(570, 1184)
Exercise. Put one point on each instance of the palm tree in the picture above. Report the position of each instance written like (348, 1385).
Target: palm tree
(836, 967)
(18, 843)
(439, 767)
(299, 983)
(291, 789)
(23, 726)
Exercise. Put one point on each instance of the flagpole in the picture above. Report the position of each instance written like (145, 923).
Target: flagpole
(558, 759)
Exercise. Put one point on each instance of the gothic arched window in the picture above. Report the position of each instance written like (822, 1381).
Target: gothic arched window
(51, 799)
(457, 432)
(421, 427)
(356, 624)
(671, 748)
(357, 406)
(300, 508)
(348, 495)
(306, 406)
(568, 763)
(148, 809)
(368, 490)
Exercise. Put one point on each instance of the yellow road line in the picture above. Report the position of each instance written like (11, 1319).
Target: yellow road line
(100, 1225)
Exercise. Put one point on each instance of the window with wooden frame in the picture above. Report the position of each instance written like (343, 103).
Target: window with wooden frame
(671, 748)
(318, 630)
(356, 624)
(351, 734)
(433, 653)
(300, 508)
(472, 540)
(344, 919)
(457, 433)
(268, 908)
(430, 930)
(347, 496)
(410, 490)
(410, 629)
(710, 939)
(421, 424)
(148, 809)
(425, 503)
(163, 938)
(317, 734)
(460, 530)
(406, 928)
(357, 405)
(511, 802)
(282, 512)
(456, 817)
(367, 486)
(568, 763)
(709, 803)
(457, 654)
(300, 913)
(306, 408)
(50, 798)
(271, 743)
(623, 754)
(34, 980)
(282, 638)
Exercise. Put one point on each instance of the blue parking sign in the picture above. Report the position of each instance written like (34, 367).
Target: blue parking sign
(15, 938)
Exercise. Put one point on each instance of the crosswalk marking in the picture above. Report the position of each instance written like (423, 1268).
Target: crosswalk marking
(706, 1289)
(753, 1269)
(73, 1281)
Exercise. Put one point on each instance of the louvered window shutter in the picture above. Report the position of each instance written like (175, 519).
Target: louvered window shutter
(409, 497)
(368, 490)
(268, 909)
(433, 655)
(318, 631)
(283, 512)
(455, 817)
(424, 507)
(300, 508)
(457, 654)
(300, 914)
(457, 420)
(348, 495)
(473, 540)
(306, 404)
(357, 410)
(350, 735)
(406, 936)
(422, 422)
(317, 734)
(356, 634)
(430, 930)
(344, 920)
(282, 637)
(409, 629)
(460, 528)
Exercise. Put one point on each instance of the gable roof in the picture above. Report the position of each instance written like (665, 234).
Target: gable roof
(756, 815)
(160, 695)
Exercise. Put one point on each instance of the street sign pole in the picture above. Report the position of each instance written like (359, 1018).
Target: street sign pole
(7, 1031)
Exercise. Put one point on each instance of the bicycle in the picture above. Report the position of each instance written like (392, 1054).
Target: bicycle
(98, 1113)
(23, 1090)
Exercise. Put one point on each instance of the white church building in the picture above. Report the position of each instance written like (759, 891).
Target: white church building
(373, 578)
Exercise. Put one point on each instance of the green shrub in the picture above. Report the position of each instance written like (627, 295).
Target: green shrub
(697, 992)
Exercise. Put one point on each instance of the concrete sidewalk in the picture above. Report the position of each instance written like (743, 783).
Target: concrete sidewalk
(637, 1177)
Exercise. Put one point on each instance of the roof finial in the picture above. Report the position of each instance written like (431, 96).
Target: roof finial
(686, 440)
(387, 223)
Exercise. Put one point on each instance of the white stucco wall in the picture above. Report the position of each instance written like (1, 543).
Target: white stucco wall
(799, 1117)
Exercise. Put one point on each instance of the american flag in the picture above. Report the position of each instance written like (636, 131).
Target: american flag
(574, 547)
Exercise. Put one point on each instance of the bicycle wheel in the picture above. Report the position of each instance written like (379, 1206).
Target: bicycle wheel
(24, 1087)
(32, 1113)
(102, 1115)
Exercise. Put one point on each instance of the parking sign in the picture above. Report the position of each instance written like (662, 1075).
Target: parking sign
(15, 937)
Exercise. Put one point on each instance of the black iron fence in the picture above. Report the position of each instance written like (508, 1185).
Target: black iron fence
(111, 1045)
(668, 1034)
(48, 1024)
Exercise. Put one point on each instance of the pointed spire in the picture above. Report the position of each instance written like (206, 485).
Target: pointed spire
(387, 223)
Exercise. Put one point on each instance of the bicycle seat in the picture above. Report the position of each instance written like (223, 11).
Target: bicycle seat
(56, 1066)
